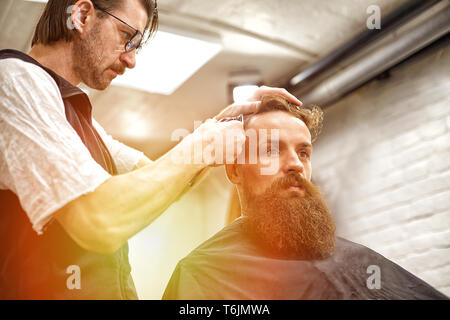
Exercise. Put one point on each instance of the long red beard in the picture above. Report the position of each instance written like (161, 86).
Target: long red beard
(299, 227)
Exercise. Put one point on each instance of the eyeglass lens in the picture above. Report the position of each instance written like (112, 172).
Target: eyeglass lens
(134, 42)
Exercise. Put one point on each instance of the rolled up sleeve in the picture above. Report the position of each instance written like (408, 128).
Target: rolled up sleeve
(42, 159)
(125, 157)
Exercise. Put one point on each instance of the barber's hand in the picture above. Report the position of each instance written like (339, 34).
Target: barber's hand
(213, 143)
(252, 104)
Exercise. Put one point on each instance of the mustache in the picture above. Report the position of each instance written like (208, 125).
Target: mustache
(119, 69)
(289, 180)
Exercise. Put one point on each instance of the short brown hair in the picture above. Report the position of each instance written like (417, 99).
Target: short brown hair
(312, 115)
(52, 25)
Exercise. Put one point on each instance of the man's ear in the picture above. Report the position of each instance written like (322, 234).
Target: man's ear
(233, 173)
(81, 14)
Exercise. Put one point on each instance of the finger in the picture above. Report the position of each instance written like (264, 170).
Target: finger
(264, 91)
(279, 91)
(232, 125)
(236, 109)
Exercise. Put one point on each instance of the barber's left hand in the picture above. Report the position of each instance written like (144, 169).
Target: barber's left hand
(252, 104)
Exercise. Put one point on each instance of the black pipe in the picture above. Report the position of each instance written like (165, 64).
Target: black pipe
(405, 12)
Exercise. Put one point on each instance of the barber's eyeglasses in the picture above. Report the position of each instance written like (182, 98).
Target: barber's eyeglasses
(135, 40)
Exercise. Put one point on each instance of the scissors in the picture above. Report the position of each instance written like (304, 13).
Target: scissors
(238, 118)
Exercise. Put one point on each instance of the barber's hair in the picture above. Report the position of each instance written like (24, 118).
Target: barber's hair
(52, 25)
(312, 115)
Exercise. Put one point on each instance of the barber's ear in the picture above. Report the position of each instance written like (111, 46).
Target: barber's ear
(80, 15)
(233, 173)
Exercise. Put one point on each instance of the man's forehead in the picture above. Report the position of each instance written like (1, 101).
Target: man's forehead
(276, 119)
(134, 13)
(289, 126)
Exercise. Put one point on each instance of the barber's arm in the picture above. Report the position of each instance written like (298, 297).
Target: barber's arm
(103, 220)
(199, 176)
(142, 162)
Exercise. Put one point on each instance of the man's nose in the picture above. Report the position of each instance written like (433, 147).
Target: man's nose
(129, 58)
(293, 164)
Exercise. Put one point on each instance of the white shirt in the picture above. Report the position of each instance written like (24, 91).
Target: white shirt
(42, 159)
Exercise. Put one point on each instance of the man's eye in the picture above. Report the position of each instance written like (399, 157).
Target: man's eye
(126, 35)
(304, 154)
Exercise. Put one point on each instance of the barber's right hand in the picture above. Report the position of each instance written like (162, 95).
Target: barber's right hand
(254, 102)
(214, 143)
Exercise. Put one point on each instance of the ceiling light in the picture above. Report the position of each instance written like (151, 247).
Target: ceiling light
(242, 85)
(168, 61)
(243, 93)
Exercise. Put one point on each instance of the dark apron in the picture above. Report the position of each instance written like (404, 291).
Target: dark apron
(38, 267)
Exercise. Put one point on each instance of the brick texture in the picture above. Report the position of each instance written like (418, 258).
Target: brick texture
(383, 165)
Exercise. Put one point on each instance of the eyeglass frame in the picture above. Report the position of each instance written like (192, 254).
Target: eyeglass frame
(137, 32)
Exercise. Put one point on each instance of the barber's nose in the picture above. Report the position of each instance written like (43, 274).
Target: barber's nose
(293, 164)
(129, 58)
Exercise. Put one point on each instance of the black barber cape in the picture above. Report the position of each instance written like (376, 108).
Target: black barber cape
(39, 266)
(230, 265)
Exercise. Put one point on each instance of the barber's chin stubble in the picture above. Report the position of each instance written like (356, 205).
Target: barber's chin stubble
(298, 227)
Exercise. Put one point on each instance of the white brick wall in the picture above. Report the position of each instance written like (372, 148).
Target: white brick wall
(383, 164)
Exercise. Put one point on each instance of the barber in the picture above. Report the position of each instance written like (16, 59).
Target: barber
(71, 196)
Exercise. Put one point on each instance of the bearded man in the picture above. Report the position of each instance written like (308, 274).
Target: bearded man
(284, 245)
